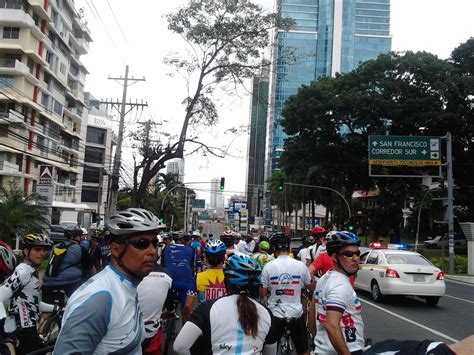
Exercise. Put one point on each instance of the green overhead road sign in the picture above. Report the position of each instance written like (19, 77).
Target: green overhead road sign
(404, 150)
(198, 205)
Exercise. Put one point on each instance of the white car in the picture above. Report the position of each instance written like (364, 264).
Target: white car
(399, 272)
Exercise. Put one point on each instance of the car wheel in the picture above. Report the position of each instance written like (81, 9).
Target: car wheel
(376, 294)
(432, 300)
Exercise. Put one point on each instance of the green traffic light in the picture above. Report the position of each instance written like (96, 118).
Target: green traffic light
(280, 188)
(351, 228)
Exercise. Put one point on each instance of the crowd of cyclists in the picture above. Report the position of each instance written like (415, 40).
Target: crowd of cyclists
(118, 287)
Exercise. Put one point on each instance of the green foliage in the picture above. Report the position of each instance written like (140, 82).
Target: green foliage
(460, 263)
(19, 214)
(329, 122)
(124, 200)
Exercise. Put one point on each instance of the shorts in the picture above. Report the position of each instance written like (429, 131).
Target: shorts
(298, 332)
(181, 288)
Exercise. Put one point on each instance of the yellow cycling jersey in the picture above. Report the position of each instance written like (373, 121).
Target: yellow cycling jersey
(210, 284)
(262, 258)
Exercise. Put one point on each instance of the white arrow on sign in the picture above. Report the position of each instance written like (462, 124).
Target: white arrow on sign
(374, 143)
(424, 152)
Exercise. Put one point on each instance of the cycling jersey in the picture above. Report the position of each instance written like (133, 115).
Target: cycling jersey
(153, 291)
(284, 278)
(209, 285)
(103, 317)
(335, 293)
(222, 332)
(303, 255)
(179, 260)
(22, 288)
(410, 347)
(262, 258)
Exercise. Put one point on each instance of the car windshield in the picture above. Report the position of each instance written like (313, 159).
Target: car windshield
(412, 259)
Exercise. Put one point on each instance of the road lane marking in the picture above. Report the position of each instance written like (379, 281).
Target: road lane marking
(410, 321)
(459, 282)
(457, 298)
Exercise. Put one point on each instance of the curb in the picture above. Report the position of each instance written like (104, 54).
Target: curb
(464, 279)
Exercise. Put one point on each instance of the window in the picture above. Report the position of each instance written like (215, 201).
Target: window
(90, 194)
(58, 108)
(45, 100)
(6, 106)
(94, 155)
(62, 68)
(91, 174)
(11, 4)
(373, 258)
(96, 135)
(6, 81)
(11, 32)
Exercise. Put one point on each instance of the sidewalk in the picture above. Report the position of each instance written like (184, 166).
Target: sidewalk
(465, 279)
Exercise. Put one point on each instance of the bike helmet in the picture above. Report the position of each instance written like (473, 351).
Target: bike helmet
(317, 230)
(242, 271)
(124, 224)
(264, 245)
(7, 259)
(310, 240)
(36, 240)
(227, 237)
(215, 247)
(71, 232)
(341, 239)
(330, 234)
(280, 241)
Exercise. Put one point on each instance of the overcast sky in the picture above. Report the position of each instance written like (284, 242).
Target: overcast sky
(143, 41)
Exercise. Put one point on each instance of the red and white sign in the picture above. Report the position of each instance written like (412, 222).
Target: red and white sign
(45, 175)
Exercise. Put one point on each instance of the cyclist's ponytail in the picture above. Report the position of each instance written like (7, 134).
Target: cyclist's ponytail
(248, 315)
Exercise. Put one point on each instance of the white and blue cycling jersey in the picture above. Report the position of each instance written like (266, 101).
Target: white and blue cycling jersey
(103, 317)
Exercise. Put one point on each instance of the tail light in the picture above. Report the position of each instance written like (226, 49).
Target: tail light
(392, 273)
(440, 276)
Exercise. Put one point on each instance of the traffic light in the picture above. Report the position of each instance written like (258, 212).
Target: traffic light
(221, 186)
(162, 219)
(351, 228)
(281, 184)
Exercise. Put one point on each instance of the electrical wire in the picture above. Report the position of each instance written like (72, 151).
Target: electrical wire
(117, 22)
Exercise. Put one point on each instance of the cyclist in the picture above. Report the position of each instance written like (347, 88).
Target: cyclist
(339, 325)
(7, 261)
(304, 253)
(102, 249)
(180, 259)
(229, 238)
(22, 288)
(235, 323)
(282, 280)
(209, 284)
(319, 233)
(249, 244)
(154, 295)
(103, 315)
(263, 257)
(75, 267)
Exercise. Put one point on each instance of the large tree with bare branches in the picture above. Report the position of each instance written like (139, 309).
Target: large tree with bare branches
(226, 41)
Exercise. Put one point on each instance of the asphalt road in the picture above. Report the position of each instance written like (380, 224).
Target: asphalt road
(213, 228)
(405, 318)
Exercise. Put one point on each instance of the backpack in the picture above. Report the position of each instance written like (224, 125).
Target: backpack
(55, 259)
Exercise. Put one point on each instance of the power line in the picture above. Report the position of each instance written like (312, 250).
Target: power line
(117, 22)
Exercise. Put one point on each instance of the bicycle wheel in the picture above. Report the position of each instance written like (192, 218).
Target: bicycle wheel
(169, 330)
(51, 330)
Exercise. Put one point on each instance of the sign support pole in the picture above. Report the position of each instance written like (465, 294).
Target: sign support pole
(449, 151)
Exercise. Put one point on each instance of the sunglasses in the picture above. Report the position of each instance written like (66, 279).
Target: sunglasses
(143, 244)
(350, 254)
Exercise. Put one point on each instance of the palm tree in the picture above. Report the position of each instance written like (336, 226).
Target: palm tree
(19, 214)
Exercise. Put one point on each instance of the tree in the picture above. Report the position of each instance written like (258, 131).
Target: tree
(330, 120)
(19, 214)
(226, 41)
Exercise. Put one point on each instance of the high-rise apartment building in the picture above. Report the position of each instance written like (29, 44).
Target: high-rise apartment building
(176, 166)
(329, 37)
(217, 197)
(256, 144)
(42, 115)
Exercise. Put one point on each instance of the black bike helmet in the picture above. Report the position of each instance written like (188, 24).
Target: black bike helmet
(341, 239)
(36, 240)
(228, 238)
(71, 232)
(124, 224)
(280, 241)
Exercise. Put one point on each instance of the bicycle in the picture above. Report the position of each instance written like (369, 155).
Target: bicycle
(49, 329)
(168, 324)
(285, 341)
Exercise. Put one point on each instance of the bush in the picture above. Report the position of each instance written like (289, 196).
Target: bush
(460, 263)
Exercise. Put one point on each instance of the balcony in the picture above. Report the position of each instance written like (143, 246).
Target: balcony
(19, 18)
(7, 168)
(38, 6)
(14, 117)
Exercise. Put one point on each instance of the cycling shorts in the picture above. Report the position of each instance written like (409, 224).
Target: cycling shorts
(181, 288)
(298, 332)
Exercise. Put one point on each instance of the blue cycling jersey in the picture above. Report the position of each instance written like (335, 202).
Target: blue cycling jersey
(180, 261)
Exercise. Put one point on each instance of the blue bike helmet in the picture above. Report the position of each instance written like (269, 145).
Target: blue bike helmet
(215, 247)
(242, 271)
(339, 240)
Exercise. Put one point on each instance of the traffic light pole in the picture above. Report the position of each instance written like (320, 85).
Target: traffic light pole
(449, 153)
(324, 188)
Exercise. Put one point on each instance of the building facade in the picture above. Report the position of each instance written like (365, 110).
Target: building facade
(256, 144)
(42, 108)
(328, 37)
(98, 158)
(176, 167)
(217, 197)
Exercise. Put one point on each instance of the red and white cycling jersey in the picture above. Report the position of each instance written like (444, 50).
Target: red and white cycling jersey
(285, 277)
(335, 293)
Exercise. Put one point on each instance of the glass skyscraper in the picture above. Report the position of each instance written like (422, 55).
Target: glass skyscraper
(328, 37)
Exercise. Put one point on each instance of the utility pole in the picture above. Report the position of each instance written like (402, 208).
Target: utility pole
(449, 153)
(114, 186)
